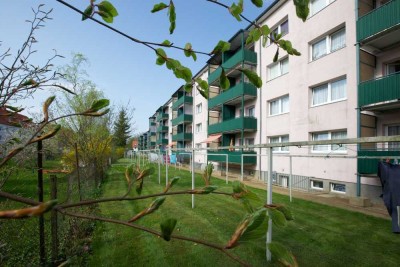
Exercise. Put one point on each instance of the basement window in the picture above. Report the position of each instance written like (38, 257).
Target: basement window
(319, 185)
(338, 188)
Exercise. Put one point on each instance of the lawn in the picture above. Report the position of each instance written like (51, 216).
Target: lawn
(319, 236)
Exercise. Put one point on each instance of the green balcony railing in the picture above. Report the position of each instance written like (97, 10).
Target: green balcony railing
(182, 119)
(378, 20)
(150, 144)
(183, 99)
(236, 91)
(243, 55)
(379, 90)
(182, 136)
(162, 116)
(370, 166)
(162, 129)
(234, 125)
(234, 157)
(162, 141)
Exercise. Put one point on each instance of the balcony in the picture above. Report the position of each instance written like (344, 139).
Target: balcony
(162, 141)
(381, 20)
(161, 129)
(182, 137)
(183, 99)
(234, 157)
(243, 55)
(379, 90)
(234, 125)
(162, 116)
(233, 95)
(151, 144)
(182, 119)
(370, 166)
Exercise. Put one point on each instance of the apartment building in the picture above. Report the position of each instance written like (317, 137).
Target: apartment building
(346, 84)
(182, 117)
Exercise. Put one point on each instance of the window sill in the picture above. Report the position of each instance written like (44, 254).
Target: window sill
(277, 77)
(270, 116)
(330, 152)
(330, 53)
(327, 103)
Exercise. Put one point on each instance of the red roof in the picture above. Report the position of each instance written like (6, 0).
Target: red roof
(11, 120)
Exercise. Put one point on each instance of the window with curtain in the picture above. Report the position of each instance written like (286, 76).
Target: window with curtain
(328, 44)
(282, 28)
(329, 136)
(329, 92)
(250, 111)
(279, 139)
(279, 106)
(278, 69)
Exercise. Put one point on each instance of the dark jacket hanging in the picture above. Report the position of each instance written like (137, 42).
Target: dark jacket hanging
(390, 179)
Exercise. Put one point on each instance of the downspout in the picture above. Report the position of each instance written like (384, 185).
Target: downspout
(358, 108)
(260, 118)
(242, 80)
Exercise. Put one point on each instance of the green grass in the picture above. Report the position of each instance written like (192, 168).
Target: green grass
(319, 236)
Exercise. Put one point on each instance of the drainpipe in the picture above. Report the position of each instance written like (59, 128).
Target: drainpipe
(358, 108)
(242, 80)
(260, 118)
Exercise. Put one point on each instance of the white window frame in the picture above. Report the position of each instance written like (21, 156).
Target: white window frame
(328, 46)
(391, 145)
(327, 3)
(281, 70)
(279, 31)
(279, 100)
(248, 111)
(199, 108)
(330, 148)
(332, 189)
(329, 100)
(199, 127)
(280, 139)
(246, 142)
(316, 187)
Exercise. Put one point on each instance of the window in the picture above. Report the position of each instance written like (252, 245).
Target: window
(250, 111)
(338, 188)
(318, 5)
(393, 130)
(329, 92)
(278, 69)
(198, 127)
(328, 44)
(393, 67)
(249, 142)
(282, 29)
(319, 185)
(198, 146)
(279, 106)
(199, 108)
(329, 136)
(279, 139)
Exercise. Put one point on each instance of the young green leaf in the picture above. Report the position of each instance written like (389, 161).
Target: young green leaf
(172, 17)
(276, 55)
(277, 217)
(286, 212)
(253, 77)
(221, 47)
(46, 106)
(158, 7)
(167, 227)
(161, 53)
(188, 87)
(203, 84)
(224, 81)
(28, 212)
(47, 135)
(188, 49)
(88, 12)
(99, 104)
(106, 16)
(107, 7)
(167, 43)
(282, 254)
(302, 8)
(257, 3)
(236, 10)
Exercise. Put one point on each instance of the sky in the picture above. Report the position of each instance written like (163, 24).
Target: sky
(125, 71)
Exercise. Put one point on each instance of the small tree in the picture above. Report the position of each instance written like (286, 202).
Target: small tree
(121, 128)
(207, 173)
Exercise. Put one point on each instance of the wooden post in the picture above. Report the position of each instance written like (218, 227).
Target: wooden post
(77, 171)
(42, 251)
(54, 222)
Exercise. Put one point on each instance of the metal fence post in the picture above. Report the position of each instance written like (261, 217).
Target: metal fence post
(54, 222)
